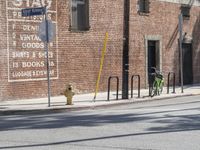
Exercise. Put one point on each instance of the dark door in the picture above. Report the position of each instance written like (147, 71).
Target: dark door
(187, 64)
(151, 59)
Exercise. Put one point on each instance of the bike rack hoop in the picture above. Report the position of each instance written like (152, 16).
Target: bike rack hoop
(109, 80)
(138, 76)
(168, 77)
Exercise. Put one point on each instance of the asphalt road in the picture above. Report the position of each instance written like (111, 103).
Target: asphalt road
(172, 124)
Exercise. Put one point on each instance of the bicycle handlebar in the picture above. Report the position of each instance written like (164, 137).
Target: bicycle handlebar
(156, 71)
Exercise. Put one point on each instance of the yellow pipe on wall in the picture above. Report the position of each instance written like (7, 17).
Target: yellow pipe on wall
(101, 64)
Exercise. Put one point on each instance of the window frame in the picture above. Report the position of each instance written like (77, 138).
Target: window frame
(76, 27)
(143, 6)
(185, 11)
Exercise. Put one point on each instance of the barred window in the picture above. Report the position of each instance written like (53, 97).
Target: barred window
(185, 10)
(79, 15)
(144, 6)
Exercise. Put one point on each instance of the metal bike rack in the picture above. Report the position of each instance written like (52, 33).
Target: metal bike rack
(174, 76)
(138, 85)
(109, 79)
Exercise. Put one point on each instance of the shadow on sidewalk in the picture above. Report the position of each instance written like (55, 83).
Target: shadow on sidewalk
(161, 120)
(182, 124)
(69, 119)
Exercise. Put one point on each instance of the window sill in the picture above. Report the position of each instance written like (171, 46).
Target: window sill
(143, 13)
(79, 30)
(186, 17)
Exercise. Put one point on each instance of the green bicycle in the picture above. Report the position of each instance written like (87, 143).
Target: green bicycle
(158, 83)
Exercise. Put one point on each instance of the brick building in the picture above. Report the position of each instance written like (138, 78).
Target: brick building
(75, 52)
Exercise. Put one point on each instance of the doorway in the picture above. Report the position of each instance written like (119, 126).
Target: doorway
(187, 64)
(153, 59)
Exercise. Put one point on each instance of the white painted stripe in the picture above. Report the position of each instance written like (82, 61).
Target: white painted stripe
(38, 79)
(23, 20)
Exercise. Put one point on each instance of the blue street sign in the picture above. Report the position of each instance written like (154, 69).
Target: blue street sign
(33, 11)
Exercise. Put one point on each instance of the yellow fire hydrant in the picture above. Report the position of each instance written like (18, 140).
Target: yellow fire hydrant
(69, 94)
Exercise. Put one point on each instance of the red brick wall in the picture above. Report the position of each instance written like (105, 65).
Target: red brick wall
(162, 21)
(79, 52)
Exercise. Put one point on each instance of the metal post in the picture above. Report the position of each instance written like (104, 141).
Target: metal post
(168, 82)
(125, 67)
(174, 82)
(138, 86)
(117, 88)
(181, 49)
(47, 57)
(108, 97)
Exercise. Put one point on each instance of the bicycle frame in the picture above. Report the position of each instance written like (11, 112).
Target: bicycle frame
(157, 83)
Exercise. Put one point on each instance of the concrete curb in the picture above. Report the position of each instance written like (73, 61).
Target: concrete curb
(52, 109)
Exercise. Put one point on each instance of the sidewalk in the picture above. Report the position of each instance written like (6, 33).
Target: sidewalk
(85, 101)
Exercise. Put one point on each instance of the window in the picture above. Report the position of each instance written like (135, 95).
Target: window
(143, 6)
(79, 15)
(185, 10)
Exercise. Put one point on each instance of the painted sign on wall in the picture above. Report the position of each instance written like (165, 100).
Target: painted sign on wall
(26, 55)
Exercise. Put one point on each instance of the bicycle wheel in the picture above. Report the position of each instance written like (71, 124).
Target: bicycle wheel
(154, 89)
(161, 87)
